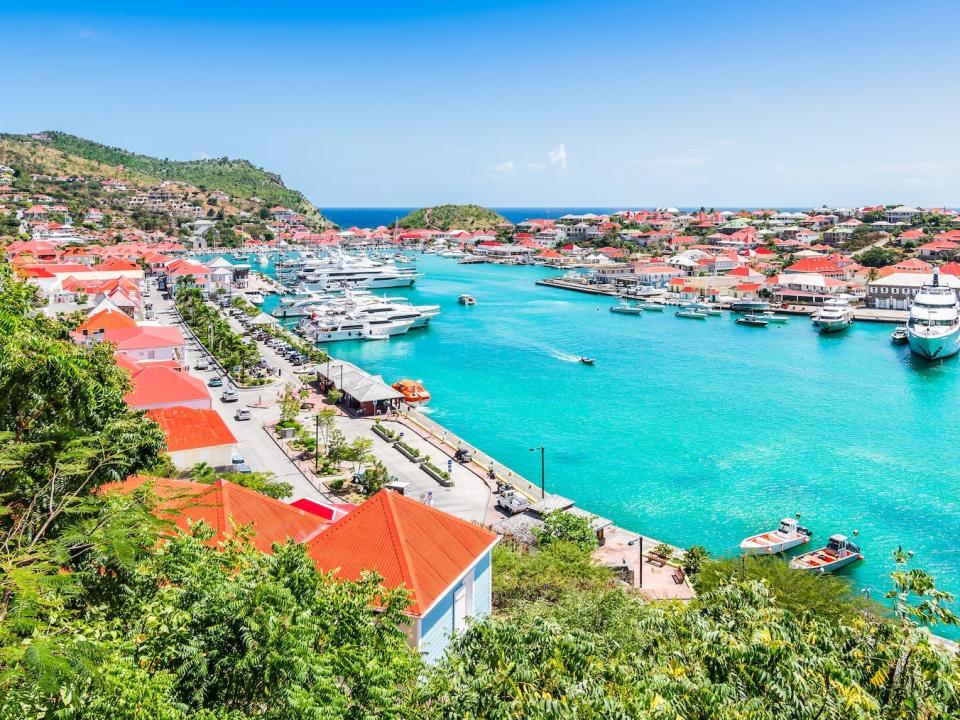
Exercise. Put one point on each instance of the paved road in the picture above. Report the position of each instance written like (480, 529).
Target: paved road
(257, 447)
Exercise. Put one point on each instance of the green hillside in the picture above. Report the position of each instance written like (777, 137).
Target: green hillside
(238, 178)
(454, 217)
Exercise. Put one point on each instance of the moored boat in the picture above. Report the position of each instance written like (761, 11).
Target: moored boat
(772, 317)
(692, 314)
(753, 320)
(838, 553)
(933, 329)
(833, 316)
(627, 309)
(787, 535)
(899, 336)
(413, 391)
(745, 305)
(652, 306)
(467, 300)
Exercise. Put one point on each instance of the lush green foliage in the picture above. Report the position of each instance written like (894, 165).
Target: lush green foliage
(264, 483)
(559, 526)
(237, 355)
(878, 257)
(238, 178)
(454, 217)
(734, 653)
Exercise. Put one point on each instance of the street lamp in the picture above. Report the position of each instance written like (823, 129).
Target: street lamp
(639, 539)
(543, 492)
(316, 446)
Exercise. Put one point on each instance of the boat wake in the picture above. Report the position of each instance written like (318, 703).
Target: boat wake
(566, 357)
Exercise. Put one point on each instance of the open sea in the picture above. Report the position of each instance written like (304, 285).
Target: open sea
(693, 431)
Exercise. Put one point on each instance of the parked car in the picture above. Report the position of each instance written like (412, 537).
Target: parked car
(297, 359)
(229, 396)
(512, 502)
(201, 364)
(242, 414)
(239, 464)
(215, 381)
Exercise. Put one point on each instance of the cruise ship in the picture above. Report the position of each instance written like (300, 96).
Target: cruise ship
(933, 329)
(833, 316)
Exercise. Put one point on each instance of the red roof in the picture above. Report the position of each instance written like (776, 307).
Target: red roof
(324, 510)
(224, 506)
(158, 385)
(144, 337)
(106, 320)
(814, 265)
(187, 428)
(408, 543)
(950, 268)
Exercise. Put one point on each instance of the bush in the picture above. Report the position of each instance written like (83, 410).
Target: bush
(560, 526)
(694, 558)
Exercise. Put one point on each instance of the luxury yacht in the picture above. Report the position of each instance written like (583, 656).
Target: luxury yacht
(833, 316)
(933, 329)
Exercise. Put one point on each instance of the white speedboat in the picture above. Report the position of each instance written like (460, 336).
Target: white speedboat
(627, 309)
(254, 297)
(933, 329)
(833, 316)
(838, 553)
(788, 535)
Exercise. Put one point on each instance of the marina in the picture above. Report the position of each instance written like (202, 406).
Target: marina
(704, 414)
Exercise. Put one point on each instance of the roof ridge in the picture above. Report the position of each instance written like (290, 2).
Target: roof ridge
(225, 516)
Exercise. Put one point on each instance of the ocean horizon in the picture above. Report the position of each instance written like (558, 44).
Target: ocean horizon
(364, 217)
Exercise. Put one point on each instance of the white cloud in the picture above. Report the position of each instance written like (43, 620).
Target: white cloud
(558, 156)
(507, 167)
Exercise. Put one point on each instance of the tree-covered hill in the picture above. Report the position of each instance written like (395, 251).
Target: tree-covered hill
(454, 217)
(238, 178)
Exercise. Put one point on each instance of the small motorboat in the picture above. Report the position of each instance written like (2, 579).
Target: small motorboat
(467, 300)
(753, 320)
(838, 553)
(900, 336)
(586, 361)
(413, 391)
(693, 314)
(627, 309)
(772, 317)
(655, 307)
(788, 535)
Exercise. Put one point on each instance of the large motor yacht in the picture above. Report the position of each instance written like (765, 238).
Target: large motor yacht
(933, 329)
(833, 316)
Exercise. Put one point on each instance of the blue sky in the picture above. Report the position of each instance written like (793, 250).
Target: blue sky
(512, 103)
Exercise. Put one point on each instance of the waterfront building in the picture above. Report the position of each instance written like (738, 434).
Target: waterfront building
(896, 291)
(820, 266)
(363, 393)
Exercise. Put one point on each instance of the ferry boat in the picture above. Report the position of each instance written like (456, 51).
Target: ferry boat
(933, 329)
(627, 309)
(838, 553)
(753, 320)
(899, 335)
(745, 305)
(692, 314)
(413, 391)
(788, 535)
(833, 316)
(467, 300)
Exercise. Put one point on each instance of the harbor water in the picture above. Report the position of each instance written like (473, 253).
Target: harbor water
(693, 431)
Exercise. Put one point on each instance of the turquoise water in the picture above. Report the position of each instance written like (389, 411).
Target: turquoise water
(693, 431)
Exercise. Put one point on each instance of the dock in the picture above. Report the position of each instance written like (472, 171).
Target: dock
(579, 286)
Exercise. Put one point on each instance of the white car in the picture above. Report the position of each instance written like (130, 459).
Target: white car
(512, 502)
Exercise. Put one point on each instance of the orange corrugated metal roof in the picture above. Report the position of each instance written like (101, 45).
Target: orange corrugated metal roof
(225, 505)
(144, 337)
(161, 385)
(408, 543)
(189, 428)
(107, 320)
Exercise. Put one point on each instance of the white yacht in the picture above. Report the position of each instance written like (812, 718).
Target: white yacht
(933, 329)
(833, 316)
(342, 271)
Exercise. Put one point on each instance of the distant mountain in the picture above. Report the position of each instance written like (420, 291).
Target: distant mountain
(454, 217)
(238, 178)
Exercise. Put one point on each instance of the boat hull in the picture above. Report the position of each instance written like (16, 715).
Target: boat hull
(757, 546)
(798, 563)
(832, 326)
(934, 348)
